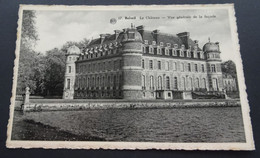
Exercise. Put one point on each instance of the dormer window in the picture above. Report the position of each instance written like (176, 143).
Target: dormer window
(154, 43)
(174, 52)
(167, 51)
(159, 51)
(175, 46)
(181, 53)
(131, 35)
(168, 45)
(188, 54)
(161, 44)
(151, 50)
(145, 41)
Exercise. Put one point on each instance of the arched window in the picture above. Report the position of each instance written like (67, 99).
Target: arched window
(215, 84)
(190, 83)
(151, 82)
(197, 83)
(203, 85)
(108, 81)
(88, 82)
(174, 66)
(143, 82)
(93, 81)
(167, 65)
(175, 83)
(97, 84)
(120, 80)
(167, 82)
(183, 83)
(159, 82)
(114, 81)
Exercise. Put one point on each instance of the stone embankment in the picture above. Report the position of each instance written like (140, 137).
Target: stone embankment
(49, 105)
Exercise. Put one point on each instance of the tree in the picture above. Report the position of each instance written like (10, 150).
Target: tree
(28, 59)
(229, 67)
(54, 72)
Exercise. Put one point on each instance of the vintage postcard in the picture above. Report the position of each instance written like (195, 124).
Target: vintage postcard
(129, 77)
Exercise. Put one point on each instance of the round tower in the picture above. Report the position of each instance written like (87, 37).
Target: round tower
(72, 55)
(132, 68)
(215, 77)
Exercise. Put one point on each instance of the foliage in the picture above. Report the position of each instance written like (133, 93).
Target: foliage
(54, 72)
(43, 74)
(229, 67)
(28, 60)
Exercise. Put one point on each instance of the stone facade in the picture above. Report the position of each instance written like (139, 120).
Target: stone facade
(139, 64)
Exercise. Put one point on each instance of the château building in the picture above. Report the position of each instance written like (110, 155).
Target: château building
(134, 63)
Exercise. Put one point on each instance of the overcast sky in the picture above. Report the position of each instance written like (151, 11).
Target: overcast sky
(57, 27)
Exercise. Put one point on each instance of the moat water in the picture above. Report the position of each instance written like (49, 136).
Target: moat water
(214, 124)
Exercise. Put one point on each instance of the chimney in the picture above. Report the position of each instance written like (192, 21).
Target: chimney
(155, 34)
(116, 33)
(184, 36)
(102, 38)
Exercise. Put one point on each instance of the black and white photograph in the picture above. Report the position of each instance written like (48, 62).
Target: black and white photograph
(129, 77)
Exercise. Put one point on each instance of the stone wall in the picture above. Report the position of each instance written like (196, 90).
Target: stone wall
(54, 106)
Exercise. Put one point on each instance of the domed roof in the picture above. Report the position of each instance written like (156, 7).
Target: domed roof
(211, 47)
(73, 50)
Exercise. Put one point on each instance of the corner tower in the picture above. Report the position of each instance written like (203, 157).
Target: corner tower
(72, 55)
(214, 66)
(132, 68)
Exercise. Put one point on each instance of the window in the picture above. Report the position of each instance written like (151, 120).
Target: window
(114, 65)
(167, 52)
(174, 52)
(98, 81)
(114, 81)
(181, 53)
(154, 42)
(143, 82)
(174, 65)
(151, 82)
(69, 58)
(109, 65)
(69, 69)
(196, 67)
(108, 81)
(159, 51)
(188, 54)
(175, 83)
(203, 83)
(151, 50)
(213, 68)
(143, 63)
(202, 68)
(159, 65)
(189, 67)
(168, 44)
(159, 82)
(68, 83)
(167, 82)
(197, 83)
(145, 41)
(131, 35)
(182, 66)
(167, 65)
(202, 55)
(183, 83)
(150, 64)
